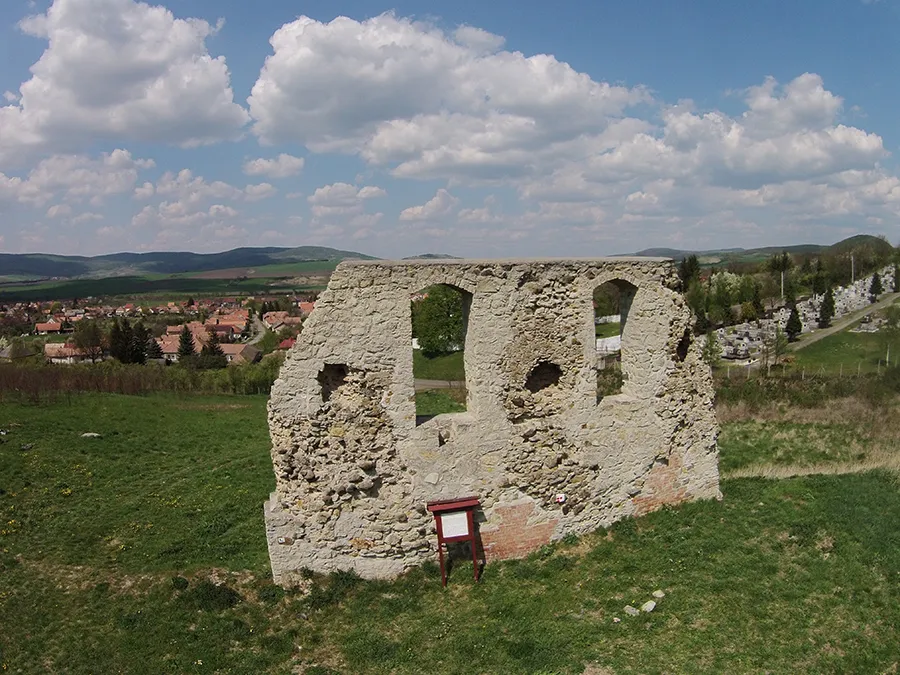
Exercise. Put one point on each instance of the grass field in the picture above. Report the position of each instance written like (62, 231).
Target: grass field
(143, 552)
(443, 367)
(605, 330)
(137, 289)
(855, 352)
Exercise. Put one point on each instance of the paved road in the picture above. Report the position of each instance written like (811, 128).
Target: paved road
(842, 323)
(260, 329)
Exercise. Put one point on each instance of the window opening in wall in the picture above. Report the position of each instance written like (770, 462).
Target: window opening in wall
(544, 374)
(612, 301)
(684, 344)
(331, 378)
(440, 316)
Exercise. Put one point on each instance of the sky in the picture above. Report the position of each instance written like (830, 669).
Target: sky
(480, 129)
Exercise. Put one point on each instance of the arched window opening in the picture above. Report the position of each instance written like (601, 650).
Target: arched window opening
(440, 317)
(612, 302)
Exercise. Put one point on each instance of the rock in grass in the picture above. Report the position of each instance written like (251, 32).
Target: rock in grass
(631, 611)
(26, 446)
(91, 434)
(658, 595)
(648, 606)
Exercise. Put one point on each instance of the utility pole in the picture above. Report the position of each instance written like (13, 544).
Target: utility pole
(852, 269)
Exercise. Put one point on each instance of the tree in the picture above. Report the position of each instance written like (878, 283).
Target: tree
(712, 352)
(186, 351)
(140, 339)
(794, 326)
(757, 300)
(779, 264)
(779, 344)
(154, 351)
(820, 280)
(119, 340)
(89, 339)
(211, 354)
(748, 312)
(438, 320)
(689, 270)
(875, 289)
(826, 311)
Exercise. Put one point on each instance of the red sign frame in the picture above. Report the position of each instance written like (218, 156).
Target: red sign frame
(447, 506)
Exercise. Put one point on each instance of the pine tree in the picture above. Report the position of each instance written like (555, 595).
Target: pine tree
(820, 281)
(757, 301)
(154, 351)
(875, 289)
(826, 311)
(794, 326)
(140, 336)
(211, 355)
(185, 345)
(127, 341)
(118, 344)
(689, 270)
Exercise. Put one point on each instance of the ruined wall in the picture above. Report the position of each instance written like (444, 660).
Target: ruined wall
(354, 471)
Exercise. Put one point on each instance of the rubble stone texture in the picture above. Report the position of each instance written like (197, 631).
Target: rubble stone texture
(354, 471)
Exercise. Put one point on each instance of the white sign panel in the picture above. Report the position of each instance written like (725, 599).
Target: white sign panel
(455, 524)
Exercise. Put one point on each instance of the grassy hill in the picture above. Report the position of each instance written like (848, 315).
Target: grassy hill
(144, 551)
(741, 255)
(41, 266)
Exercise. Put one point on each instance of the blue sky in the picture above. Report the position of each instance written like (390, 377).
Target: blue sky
(484, 130)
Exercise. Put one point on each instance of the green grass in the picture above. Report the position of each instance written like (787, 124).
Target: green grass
(605, 330)
(439, 401)
(743, 444)
(144, 551)
(442, 367)
(139, 288)
(855, 352)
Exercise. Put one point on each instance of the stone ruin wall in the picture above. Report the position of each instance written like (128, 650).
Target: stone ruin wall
(354, 471)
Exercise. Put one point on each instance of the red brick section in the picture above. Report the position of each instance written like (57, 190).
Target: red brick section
(664, 485)
(511, 536)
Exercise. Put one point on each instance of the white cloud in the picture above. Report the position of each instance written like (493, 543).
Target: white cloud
(279, 167)
(10, 97)
(119, 69)
(260, 191)
(341, 199)
(442, 204)
(193, 190)
(222, 211)
(403, 92)
(87, 217)
(145, 191)
(59, 210)
(75, 178)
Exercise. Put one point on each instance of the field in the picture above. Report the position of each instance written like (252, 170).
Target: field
(144, 551)
(845, 352)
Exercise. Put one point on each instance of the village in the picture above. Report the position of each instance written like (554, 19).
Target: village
(244, 329)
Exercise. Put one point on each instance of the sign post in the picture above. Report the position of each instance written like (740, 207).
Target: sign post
(455, 521)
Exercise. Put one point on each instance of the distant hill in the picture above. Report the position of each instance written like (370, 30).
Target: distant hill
(727, 255)
(432, 256)
(41, 266)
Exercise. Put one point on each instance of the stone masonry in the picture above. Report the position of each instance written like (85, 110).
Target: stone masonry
(354, 470)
